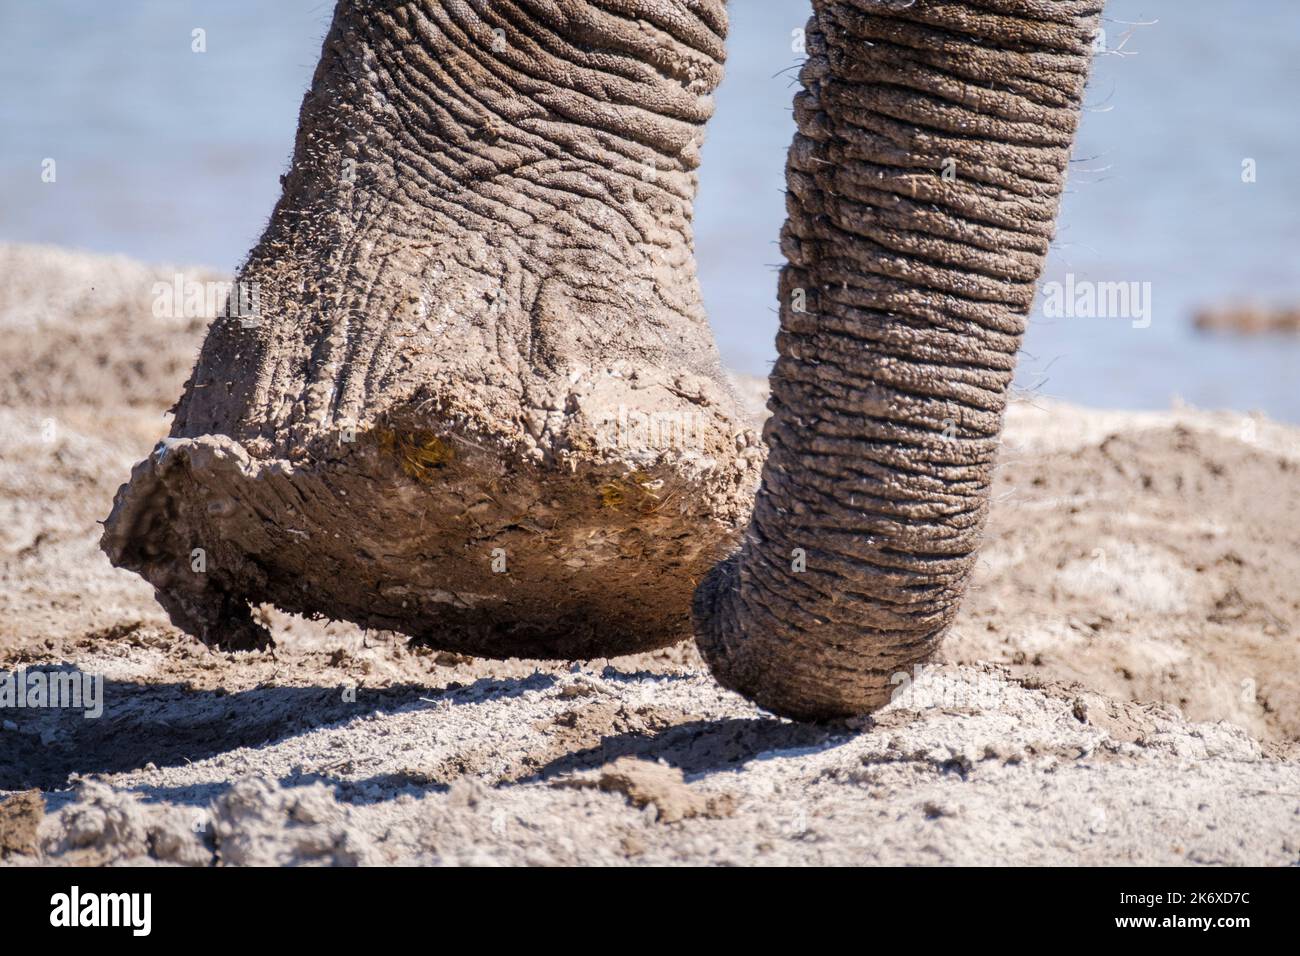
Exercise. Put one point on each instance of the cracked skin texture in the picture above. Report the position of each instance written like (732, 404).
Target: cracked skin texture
(480, 403)
(891, 381)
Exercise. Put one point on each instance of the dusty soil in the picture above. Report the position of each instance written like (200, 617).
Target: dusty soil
(1122, 686)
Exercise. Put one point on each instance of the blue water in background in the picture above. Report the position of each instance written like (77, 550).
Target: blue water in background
(164, 154)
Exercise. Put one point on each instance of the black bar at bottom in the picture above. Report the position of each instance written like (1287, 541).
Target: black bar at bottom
(333, 907)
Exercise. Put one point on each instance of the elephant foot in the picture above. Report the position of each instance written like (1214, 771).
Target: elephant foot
(457, 538)
(473, 397)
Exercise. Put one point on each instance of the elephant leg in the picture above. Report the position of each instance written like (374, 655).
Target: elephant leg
(477, 400)
(924, 179)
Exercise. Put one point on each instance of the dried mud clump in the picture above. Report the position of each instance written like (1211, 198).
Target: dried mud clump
(646, 783)
(20, 819)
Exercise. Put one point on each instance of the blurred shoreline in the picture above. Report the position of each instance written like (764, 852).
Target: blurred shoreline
(1180, 179)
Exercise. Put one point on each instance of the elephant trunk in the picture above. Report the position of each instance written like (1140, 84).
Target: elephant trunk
(924, 179)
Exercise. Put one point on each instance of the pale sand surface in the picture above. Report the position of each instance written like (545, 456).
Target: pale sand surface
(1122, 685)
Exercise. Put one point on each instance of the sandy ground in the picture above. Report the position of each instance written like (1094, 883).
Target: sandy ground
(1122, 685)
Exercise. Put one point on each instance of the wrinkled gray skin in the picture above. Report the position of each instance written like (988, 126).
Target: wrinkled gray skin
(485, 235)
(888, 394)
